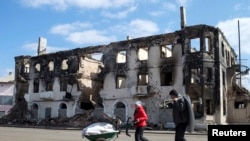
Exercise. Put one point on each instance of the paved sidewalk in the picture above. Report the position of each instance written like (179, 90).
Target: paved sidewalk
(131, 131)
(168, 132)
(75, 134)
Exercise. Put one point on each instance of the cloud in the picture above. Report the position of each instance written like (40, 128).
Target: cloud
(88, 4)
(55, 4)
(182, 2)
(65, 29)
(175, 5)
(90, 37)
(32, 47)
(137, 28)
(82, 33)
(230, 30)
(140, 27)
(94, 4)
(169, 6)
(119, 15)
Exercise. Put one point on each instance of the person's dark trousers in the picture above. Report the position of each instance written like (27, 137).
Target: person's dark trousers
(180, 130)
(139, 134)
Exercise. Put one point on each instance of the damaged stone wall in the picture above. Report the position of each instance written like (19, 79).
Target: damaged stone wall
(68, 76)
(238, 98)
(189, 60)
(196, 67)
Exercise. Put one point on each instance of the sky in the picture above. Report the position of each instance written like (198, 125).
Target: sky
(69, 24)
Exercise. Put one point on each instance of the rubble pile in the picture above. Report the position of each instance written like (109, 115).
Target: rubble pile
(77, 121)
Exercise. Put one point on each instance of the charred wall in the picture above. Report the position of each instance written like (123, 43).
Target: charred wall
(200, 53)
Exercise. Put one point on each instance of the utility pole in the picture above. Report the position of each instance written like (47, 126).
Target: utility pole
(239, 50)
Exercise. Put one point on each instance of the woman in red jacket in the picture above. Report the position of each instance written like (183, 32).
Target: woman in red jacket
(140, 121)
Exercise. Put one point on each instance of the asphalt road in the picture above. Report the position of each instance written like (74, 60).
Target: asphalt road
(38, 134)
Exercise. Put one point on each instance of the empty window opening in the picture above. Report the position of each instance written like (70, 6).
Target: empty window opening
(166, 78)
(222, 49)
(25, 88)
(198, 108)
(86, 106)
(120, 82)
(120, 111)
(223, 78)
(62, 110)
(195, 45)
(209, 75)
(49, 86)
(37, 67)
(195, 75)
(240, 105)
(97, 56)
(228, 58)
(63, 106)
(63, 85)
(51, 66)
(121, 57)
(47, 113)
(64, 65)
(27, 68)
(34, 111)
(232, 61)
(143, 53)
(36, 86)
(166, 51)
(209, 107)
(143, 79)
(34, 107)
(224, 108)
(207, 44)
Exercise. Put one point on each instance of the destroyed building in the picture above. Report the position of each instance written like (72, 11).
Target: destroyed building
(197, 61)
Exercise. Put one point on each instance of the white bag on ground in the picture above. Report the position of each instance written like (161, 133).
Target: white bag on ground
(98, 128)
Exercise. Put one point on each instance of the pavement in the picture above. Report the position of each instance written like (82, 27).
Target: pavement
(169, 131)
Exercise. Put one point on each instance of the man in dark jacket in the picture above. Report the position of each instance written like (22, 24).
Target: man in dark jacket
(140, 121)
(182, 114)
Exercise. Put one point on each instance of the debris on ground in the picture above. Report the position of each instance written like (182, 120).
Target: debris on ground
(78, 120)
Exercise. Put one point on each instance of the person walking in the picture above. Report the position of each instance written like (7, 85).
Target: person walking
(183, 115)
(140, 121)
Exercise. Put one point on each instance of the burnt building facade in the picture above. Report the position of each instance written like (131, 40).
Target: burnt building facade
(196, 60)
